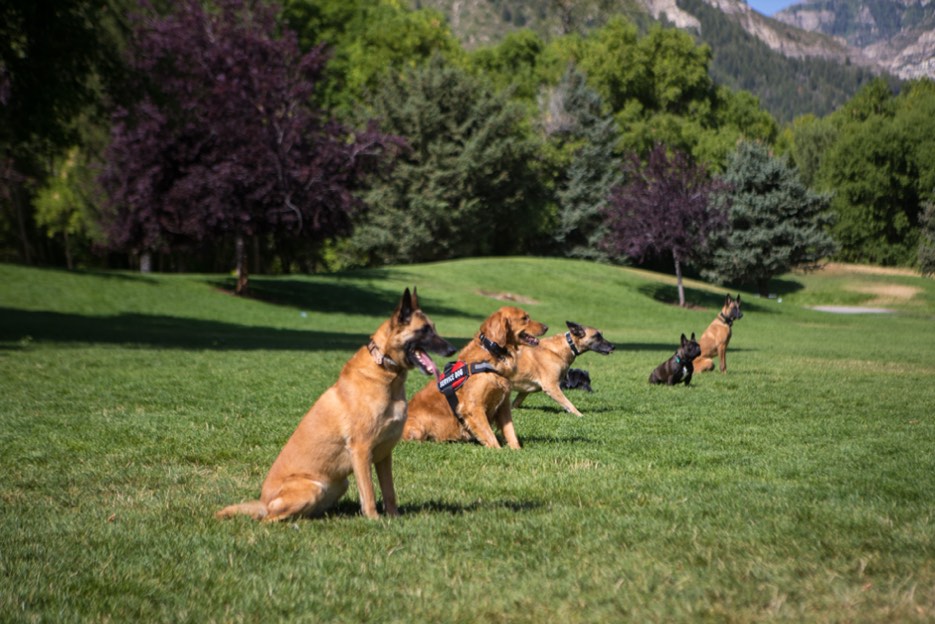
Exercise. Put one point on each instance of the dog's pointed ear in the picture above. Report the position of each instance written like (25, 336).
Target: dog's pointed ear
(415, 298)
(738, 297)
(693, 336)
(728, 300)
(684, 340)
(404, 309)
(576, 330)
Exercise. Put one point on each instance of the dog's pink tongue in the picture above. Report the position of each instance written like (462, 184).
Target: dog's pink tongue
(427, 362)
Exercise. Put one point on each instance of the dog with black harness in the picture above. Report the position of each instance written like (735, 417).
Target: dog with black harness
(474, 391)
(680, 367)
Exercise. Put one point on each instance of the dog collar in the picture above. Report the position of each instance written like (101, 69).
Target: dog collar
(381, 360)
(492, 347)
(571, 343)
(725, 319)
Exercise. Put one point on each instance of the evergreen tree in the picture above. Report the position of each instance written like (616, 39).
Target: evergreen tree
(775, 222)
(575, 119)
(465, 187)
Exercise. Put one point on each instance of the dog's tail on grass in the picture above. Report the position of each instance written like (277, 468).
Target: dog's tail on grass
(255, 509)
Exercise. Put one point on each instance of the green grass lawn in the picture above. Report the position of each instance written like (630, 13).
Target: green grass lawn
(799, 486)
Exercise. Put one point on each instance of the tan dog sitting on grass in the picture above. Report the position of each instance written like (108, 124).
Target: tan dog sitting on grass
(717, 336)
(354, 425)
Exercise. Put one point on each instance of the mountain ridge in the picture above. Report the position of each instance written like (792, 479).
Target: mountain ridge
(896, 35)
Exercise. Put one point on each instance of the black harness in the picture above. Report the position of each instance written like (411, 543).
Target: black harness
(727, 320)
(456, 373)
(571, 343)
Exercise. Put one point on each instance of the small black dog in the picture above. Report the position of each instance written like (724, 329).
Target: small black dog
(679, 367)
(576, 378)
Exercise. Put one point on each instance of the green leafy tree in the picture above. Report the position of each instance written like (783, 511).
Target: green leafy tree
(367, 40)
(513, 64)
(466, 187)
(876, 198)
(574, 119)
(66, 208)
(775, 222)
(881, 167)
(807, 141)
(659, 90)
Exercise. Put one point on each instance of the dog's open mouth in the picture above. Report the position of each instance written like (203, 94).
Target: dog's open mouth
(532, 341)
(421, 360)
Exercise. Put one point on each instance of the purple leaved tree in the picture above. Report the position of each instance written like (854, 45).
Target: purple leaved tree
(665, 207)
(226, 143)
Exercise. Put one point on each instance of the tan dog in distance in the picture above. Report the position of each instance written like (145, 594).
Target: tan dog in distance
(484, 397)
(544, 367)
(353, 425)
(716, 337)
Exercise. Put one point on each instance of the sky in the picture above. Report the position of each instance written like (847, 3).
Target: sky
(768, 7)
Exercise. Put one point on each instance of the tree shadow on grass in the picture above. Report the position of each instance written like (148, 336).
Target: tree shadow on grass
(702, 299)
(164, 331)
(331, 296)
(170, 332)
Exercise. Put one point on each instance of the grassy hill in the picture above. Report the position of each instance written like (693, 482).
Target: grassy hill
(797, 486)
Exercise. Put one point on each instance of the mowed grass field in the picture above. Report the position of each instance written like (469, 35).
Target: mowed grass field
(799, 486)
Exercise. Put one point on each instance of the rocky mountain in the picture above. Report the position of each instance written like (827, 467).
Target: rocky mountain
(897, 35)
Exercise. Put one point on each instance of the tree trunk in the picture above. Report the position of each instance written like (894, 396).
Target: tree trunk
(240, 249)
(26, 251)
(69, 261)
(678, 279)
(146, 262)
(762, 286)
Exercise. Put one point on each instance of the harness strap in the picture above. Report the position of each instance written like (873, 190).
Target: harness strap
(725, 319)
(456, 373)
(492, 347)
(571, 343)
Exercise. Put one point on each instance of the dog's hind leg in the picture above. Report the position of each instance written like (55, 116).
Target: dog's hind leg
(304, 496)
(475, 418)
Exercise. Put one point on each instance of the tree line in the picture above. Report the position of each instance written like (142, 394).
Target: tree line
(324, 134)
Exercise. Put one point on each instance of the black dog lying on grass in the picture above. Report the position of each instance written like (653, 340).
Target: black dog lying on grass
(576, 378)
(679, 367)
